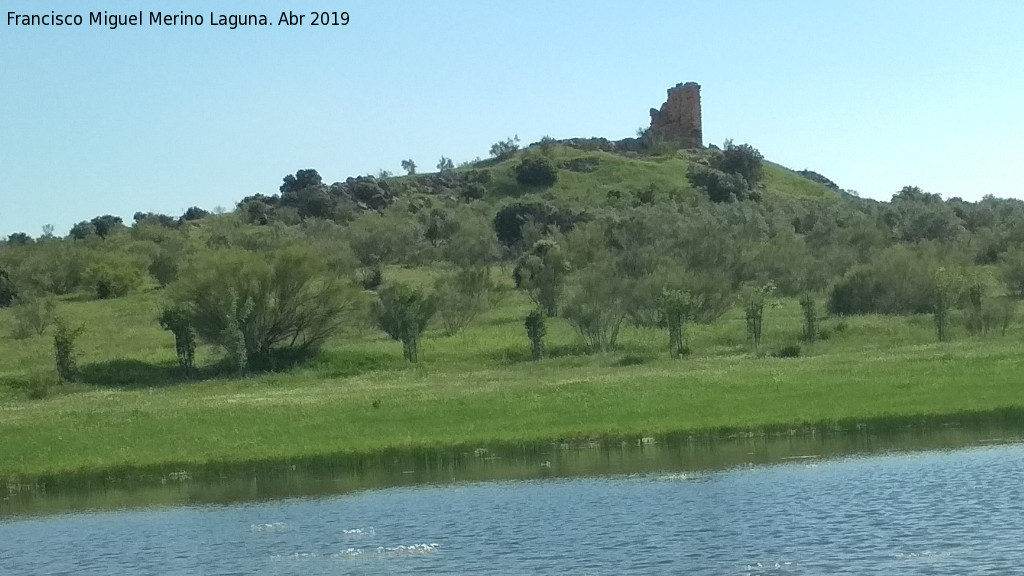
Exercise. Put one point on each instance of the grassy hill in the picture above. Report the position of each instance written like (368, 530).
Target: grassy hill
(133, 407)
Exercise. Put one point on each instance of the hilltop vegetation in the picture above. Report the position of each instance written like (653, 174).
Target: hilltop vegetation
(640, 269)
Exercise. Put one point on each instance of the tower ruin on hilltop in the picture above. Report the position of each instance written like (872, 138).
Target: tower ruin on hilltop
(678, 119)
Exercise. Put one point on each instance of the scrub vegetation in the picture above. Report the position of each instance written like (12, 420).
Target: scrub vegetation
(567, 289)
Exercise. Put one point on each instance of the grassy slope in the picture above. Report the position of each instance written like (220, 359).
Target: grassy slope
(479, 386)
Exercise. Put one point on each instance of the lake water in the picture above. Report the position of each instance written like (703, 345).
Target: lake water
(852, 503)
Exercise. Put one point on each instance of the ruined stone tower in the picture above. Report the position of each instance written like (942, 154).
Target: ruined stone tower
(679, 117)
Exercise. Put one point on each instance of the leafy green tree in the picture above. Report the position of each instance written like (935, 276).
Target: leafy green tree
(192, 214)
(505, 148)
(409, 166)
(915, 216)
(403, 312)
(259, 307)
(535, 331)
(445, 164)
(19, 239)
(106, 225)
(743, 160)
(308, 178)
(542, 273)
(82, 230)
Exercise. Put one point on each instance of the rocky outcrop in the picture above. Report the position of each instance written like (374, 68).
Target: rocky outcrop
(678, 119)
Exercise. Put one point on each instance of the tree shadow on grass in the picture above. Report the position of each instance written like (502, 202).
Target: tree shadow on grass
(132, 374)
(509, 356)
(128, 373)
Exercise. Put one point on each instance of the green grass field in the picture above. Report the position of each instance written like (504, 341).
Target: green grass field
(133, 409)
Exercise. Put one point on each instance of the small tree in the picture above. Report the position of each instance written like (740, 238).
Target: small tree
(949, 284)
(258, 307)
(403, 312)
(505, 148)
(542, 274)
(675, 307)
(445, 164)
(178, 320)
(462, 296)
(754, 301)
(597, 308)
(33, 316)
(810, 318)
(409, 166)
(64, 351)
(536, 330)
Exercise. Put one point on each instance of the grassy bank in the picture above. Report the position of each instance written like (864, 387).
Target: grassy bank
(134, 410)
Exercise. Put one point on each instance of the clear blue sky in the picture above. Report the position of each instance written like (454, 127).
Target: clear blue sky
(873, 94)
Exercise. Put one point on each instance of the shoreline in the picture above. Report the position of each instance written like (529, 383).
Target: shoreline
(1007, 418)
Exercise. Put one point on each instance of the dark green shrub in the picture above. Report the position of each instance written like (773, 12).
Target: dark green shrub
(899, 281)
(371, 277)
(535, 331)
(510, 220)
(535, 171)
(719, 186)
(7, 290)
(178, 320)
(788, 351)
(741, 159)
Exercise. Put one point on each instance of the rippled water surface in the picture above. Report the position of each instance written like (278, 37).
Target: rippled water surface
(933, 512)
